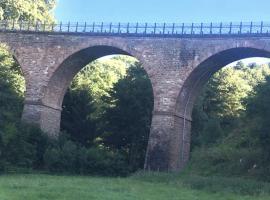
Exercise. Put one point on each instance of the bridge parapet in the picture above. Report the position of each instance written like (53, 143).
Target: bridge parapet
(143, 29)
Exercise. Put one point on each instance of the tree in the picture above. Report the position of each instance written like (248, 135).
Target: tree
(258, 110)
(223, 101)
(83, 104)
(127, 122)
(99, 76)
(12, 88)
(27, 10)
(76, 119)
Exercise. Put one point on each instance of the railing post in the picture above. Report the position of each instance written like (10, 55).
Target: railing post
(128, 28)
(240, 28)
(68, 26)
(77, 27)
(250, 28)
(230, 31)
(60, 28)
(36, 26)
(110, 27)
(20, 25)
(93, 27)
(183, 28)
(220, 28)
(192, 26)
(84, 29)
(164, 27)
(44, 26)
(145, 28)
(13, 24)
(155, 28)
(173, 28)
(261, 27)
(136, 29)
(211, 28)
(201, 31)
(52, 27)
(101, 28)
(119, 25)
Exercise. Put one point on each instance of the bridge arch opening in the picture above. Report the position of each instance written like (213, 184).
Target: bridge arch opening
(59, 91)
(63, 76)
(194, 84)
(65, 73)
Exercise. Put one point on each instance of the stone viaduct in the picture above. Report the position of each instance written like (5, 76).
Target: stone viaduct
(177, 65)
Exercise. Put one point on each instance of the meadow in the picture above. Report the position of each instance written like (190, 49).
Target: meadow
(141, 186)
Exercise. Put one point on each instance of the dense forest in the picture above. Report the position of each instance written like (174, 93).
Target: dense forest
(107, 113)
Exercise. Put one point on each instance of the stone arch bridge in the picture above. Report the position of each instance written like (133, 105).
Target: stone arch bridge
(178, 63)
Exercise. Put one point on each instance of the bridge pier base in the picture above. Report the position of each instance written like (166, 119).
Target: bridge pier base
(47, 118)
(159, 151)
(181, 142)
(169, 142)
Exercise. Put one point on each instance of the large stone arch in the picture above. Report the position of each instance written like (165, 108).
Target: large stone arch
(61, 79)
(192, 87)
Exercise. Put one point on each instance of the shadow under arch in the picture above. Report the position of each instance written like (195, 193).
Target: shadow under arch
(194, 84)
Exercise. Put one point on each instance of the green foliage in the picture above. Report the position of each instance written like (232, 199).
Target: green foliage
(64, 156)
(27, 10)
(83, 103)
(259, 112)
(76, 116)
(116, 115)
(231, 129)
(222, 104)
(127, 122)
(12, 88)
(99, 77)
(22, 146)
(224, 159)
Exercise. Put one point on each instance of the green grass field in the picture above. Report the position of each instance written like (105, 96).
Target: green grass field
(138, 187)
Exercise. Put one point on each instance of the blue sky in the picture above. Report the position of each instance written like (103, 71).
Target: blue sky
(162, 10)
(165, 11)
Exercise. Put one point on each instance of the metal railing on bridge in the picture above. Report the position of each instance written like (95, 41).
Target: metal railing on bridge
(142, 29)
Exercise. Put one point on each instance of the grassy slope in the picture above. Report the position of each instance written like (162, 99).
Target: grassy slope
(138, 187)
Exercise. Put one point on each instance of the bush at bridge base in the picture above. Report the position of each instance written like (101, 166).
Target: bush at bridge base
(24, 148)
(65, 156)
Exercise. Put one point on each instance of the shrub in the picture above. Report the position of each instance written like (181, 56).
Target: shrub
(22, 146)
(65, 156)
(226, 160)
